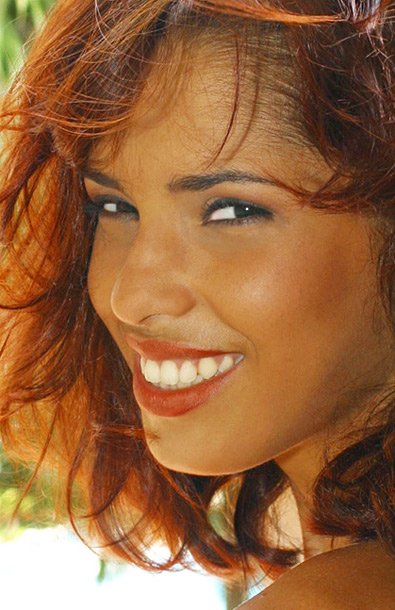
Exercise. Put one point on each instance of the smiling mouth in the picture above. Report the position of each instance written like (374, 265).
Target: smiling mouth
(181, 373)
(173, 399)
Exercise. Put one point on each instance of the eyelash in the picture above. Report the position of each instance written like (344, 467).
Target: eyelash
(95, 208)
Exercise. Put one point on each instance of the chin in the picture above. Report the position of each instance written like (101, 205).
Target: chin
(196, 463)
(185, 464)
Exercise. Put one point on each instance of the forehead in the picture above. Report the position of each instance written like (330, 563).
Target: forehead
(200, 107)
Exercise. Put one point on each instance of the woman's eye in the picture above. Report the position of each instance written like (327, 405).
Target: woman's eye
(110, 208)
(223, 210)
(234, 211)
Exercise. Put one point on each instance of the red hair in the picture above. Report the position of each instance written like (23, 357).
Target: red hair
(66, 401)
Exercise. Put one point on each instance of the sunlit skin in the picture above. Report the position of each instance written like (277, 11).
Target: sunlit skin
(293, 291)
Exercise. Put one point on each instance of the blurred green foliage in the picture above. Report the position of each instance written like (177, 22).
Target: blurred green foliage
(35, 510)
(19, 19)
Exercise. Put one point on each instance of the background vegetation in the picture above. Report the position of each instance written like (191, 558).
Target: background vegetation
(19, 19)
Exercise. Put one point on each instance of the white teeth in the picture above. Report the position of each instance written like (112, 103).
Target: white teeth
(169, 372)
(226, 364)
(152, 371)
(181, 385)
(187, 372)
(207, 367)
(167, 376)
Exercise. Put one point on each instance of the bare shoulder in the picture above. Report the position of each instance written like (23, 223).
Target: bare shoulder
(360, 576)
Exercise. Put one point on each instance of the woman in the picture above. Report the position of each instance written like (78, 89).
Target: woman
(198, 214)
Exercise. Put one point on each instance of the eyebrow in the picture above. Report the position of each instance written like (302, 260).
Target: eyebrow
(194, 182)
(102, 179)
(203, 182)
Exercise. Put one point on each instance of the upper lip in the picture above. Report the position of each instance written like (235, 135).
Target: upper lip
(162, 350)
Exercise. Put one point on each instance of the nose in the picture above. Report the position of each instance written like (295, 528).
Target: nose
(154, 283)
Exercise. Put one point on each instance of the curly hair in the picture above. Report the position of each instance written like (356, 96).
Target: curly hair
(66, 401)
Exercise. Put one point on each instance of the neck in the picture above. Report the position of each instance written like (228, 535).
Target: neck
(303, 463)
(301, 466)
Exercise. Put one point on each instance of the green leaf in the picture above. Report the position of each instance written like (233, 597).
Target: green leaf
(102, 571)
(19, 20)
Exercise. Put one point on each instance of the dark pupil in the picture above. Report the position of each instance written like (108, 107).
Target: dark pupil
(242, 210)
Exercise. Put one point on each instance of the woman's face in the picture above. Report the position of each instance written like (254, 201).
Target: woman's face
(291, 289)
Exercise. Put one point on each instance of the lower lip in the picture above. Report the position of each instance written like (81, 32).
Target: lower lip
(171, 403)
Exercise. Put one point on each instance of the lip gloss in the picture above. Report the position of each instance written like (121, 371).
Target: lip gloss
(172, 403)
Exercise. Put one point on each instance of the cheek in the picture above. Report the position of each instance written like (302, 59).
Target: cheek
(306, 308)
(273, 290)
(320, 279)
(103, 271)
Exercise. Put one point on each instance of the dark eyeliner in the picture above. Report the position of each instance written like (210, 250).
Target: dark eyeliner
(255, 213)
(95, 207)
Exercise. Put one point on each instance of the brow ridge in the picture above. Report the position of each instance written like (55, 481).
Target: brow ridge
(202, 182)
(193, 182)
